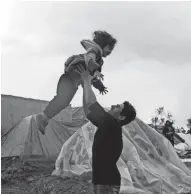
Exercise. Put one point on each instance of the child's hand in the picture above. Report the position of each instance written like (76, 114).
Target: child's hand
(99, 75)
(104, 91)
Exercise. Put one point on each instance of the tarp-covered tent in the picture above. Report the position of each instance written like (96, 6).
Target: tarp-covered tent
(178, 139)
(186, 137)
(25, 140)
(184, 149)
(15, 108)
(148, 164)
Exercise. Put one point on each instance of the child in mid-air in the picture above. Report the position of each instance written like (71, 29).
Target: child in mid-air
(101, 46)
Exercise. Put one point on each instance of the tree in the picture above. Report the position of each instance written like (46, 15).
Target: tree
(160, 117)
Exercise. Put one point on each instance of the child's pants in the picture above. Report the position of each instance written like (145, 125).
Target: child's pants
(66, 90)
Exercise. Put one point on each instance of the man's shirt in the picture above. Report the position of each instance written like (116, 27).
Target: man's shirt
(107, 146)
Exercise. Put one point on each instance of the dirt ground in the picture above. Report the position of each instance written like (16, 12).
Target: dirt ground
(34, 177)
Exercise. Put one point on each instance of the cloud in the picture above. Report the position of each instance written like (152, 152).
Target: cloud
(150, 30)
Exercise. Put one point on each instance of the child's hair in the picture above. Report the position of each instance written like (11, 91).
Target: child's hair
(103, 38)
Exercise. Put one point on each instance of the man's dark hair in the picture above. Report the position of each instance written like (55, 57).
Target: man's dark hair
(103, 38)
(129, 112)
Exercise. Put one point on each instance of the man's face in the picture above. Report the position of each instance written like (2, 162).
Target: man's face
(116, 110)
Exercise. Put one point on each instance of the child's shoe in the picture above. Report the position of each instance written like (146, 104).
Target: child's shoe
(42, 122)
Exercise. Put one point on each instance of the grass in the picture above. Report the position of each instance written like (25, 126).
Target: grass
(34, 177)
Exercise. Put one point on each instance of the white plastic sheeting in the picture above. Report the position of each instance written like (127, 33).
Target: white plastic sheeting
(148, 164)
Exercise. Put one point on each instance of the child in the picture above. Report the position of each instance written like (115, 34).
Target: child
(101, 46)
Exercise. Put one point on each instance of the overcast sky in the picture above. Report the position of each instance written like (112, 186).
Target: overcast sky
(150, 66)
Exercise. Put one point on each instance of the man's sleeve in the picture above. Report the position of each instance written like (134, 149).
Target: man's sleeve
(98, 116)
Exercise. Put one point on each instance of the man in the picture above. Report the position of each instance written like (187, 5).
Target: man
(108, 143)
(168, 132)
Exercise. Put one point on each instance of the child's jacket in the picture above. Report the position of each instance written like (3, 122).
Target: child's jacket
(75, 60)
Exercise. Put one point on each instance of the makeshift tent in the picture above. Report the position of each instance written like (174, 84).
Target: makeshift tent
(184, 149)
(186, 137)
(14, 109)
(178, 139)
(25, 140)
(148, 164)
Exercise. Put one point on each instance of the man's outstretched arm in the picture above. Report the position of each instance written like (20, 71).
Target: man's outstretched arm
(89, 97)
(93, 111)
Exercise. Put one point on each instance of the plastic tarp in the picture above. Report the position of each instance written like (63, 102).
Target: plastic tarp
(14, 109)
(148, 164)
(25, 140)
(182, 147)
(178, 139)
(186, 137)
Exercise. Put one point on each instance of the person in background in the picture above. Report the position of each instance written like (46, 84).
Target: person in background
(168, 131)
(189, 126)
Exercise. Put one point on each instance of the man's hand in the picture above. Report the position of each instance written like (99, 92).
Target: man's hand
(84, 73)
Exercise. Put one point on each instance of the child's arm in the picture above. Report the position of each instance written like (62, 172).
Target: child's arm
(90, 56)
(92, 49)
(97, 83)
(90, 60)
(99, 75)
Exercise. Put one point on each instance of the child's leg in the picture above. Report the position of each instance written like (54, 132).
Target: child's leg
(66, 90)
